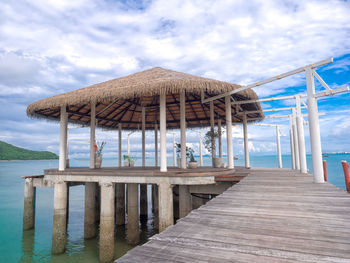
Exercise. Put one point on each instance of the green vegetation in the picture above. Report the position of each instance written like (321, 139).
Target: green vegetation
(10, 152)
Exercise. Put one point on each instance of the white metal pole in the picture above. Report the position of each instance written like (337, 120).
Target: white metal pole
(143, 124)
(246, 145)
(314, 127)
(200, 149)
(212, 124)
(162, 117)
(278, 142)
(63, 138)
(156, 144)
(120, 144)
(296, 143)
(291, 139)
(220, 138)
(183, 129)
(129, 144)
(229, 132)
(301, 137)
(67, 147)
(259, 83)
(174, 150)
(92, 134)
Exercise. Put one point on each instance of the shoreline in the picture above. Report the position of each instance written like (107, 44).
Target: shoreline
(27, 160)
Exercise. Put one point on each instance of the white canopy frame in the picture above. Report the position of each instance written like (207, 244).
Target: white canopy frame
(312, 97)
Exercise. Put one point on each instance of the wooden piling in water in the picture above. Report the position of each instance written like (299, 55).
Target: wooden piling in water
(325, 170)
(346, 175)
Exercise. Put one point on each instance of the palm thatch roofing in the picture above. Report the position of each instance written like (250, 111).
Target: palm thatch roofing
(121, 100)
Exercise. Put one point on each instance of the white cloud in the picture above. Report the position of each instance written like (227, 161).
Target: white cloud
(50, 47)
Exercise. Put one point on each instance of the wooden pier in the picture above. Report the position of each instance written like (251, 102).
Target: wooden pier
(272, 215)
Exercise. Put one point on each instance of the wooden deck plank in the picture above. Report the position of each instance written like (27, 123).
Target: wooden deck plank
(272, 215)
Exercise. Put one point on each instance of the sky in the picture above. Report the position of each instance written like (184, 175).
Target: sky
(49, 47)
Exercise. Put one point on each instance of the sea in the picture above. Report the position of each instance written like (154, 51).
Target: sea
(35, 245)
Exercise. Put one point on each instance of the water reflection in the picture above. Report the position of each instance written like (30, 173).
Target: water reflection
(78, 249)
(28, 246)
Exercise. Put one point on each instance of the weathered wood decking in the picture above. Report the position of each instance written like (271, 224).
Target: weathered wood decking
(272, 215)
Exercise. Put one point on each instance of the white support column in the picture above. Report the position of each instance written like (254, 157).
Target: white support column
(212, 124)
(229, 132)
(120, 144)
(200, 149)
(183, 129)
(246, 145)
(162, 103)
(314, 126)
(156, 144)
(63, 138)
(295, 140)
(278, 142)
(220, 138)
(301, 138)
(143, 120)
(174, 150)
(92, 134)
(291, 139)
(67, 147)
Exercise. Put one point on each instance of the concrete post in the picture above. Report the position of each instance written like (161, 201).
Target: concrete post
(229, 132)
(59, 234)
(296, 142)
(120, 144)
(212, 126)
(156, 144)
(301, 137)
(220, 138)
(176, 205)
(184, 200)
(98, 202)
(183, 129)
(174, 151)
(166, 209)
(29, 205)
(143, 202)
(200, 150)
(155, 206)
(133, 215)
(314, 126)
(143, 124)
(63, 139)
(278, 142)
(120, 205)
(291, 139)
(162, 117)
(92, 134)
(197, 201)
(90, 228)
(106, 251)
(246, 145)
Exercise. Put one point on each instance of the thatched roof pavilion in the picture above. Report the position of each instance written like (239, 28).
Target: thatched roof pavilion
(120, 101)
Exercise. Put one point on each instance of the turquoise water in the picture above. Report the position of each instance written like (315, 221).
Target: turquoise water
(35, 245)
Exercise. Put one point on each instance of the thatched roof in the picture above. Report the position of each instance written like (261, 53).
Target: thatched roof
(120, 100)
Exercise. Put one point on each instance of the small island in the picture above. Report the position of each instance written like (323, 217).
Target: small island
(10, 152)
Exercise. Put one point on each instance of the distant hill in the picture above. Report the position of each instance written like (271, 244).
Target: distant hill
(11, 152)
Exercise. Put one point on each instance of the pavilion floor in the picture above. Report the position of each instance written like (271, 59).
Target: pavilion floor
(219, 174)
